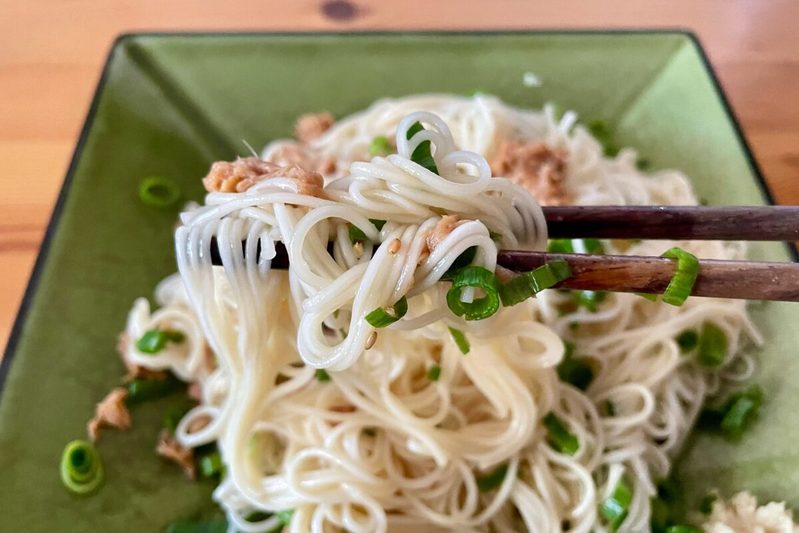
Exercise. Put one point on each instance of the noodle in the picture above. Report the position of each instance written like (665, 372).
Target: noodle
(381, 447)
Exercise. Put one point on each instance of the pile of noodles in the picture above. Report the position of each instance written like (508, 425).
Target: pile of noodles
(380, 446)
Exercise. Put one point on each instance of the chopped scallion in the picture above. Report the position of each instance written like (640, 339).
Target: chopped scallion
(605, 135)
(422, 154)
(174, 415)
(590, 299)
(712, 346)
(433, 373)
(322, 376)
(211, 464)
(742, 408)
(356, 234)
(285, 516)
(492, 480)
(575, 370)
(682, 282)
(706, 504)
(460, 340)
(81, 467)
(140, 390)
(463, 260)
(530, 283)
(683, 529)
(380, 146)
(154, 340)
(480, 308)
(156, 191)
(687, 340)
(615, 508)
(559, 437)
(385, 316)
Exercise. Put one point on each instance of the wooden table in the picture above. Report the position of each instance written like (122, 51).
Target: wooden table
(51, 53)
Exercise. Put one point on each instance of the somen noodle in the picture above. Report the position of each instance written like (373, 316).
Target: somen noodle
(409, 432)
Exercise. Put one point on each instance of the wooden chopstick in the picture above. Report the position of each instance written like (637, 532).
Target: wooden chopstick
(744, 223)
(747, 280)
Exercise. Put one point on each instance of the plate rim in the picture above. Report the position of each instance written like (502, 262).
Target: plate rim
(121, 39)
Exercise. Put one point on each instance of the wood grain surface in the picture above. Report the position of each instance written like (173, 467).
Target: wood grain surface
(51, 52)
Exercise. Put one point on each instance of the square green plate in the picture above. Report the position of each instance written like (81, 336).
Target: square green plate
(171, 104)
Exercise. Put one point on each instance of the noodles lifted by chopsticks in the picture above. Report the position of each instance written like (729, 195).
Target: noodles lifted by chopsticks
(403, 430)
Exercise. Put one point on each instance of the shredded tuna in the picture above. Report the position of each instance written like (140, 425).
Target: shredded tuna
(536, 167)
(199, 423)
(741, 514)
(442, 229)
(110, 412)
(169, 448)
(293, 153)
(312, 126)
(241, 174)
(135, 371)
(225, 176)
(195, 392)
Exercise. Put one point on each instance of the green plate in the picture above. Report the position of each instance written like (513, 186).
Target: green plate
(171, 104)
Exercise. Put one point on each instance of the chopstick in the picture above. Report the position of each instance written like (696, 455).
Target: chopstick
(748, 280)
(737, 223)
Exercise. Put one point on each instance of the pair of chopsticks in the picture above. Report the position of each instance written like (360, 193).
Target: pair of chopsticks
(750, 280)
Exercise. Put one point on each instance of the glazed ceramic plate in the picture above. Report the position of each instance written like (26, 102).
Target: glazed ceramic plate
(169, 105)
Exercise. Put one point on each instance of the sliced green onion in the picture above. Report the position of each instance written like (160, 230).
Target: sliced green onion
(480, 308)
(140, 390)
(433, 373)
(494, 235)
(742, 408)
(683, 529)
(356, 234)
(530, 283)
(575, 370)
(154, 340)
(560, 246)
(647, 296)
(174, 415)
(687, 340)
(156, 191)
(460, 340)
(590, 299)
(712, 346)
(380, 146)
(706, 504)
(615, 508)
(384, 316)
(81, 467)
(285, 516)
(682, 282)
(605, 135)
(322, 376)
(211, 464)
(571, 246)
(492, 480)
(661, 515)
(643, 164)
(463, 260)
(559, 437)
(422, 154)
